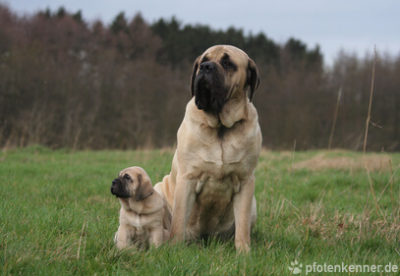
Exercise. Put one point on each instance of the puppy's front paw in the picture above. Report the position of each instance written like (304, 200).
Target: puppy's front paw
(121, 239)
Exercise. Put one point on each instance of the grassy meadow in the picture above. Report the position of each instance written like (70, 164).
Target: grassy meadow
(58, 216)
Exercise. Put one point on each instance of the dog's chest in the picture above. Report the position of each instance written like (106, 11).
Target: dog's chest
(223, 155)
(136, 221)
(139, 221)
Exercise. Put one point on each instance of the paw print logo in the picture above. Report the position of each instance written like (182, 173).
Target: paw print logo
(295, 267)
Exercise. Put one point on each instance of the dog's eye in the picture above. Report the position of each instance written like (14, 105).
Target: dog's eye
(127, 176)
(227, 64)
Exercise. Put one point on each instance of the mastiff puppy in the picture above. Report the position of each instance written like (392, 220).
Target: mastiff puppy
(144, 218)
(210, 189)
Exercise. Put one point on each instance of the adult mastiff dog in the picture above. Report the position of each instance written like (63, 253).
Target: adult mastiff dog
(210, 189)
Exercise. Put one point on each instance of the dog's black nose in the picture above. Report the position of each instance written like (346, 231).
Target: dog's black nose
(114, 186)
(207, 67)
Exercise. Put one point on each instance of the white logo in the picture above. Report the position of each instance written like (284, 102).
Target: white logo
(295, 267)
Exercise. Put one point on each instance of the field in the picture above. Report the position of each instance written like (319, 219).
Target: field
(58, 216)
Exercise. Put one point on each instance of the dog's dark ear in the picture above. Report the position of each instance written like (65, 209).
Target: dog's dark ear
(195, 67)
(253, 79)
(144, 188)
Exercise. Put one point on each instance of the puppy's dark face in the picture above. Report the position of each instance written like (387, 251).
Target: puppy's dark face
(120, 186)
(132, 183)
(220, 73)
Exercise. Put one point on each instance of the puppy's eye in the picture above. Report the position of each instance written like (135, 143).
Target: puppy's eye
(127, 176)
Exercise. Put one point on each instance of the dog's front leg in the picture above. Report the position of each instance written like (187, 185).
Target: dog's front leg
(242, 209)
(184, 199)
(123, 236)
(157, 236)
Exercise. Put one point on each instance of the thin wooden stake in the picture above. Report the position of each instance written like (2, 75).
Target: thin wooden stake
(371, 93)
(339, 96)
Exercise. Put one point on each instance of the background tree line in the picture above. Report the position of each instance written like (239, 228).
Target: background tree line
(65, 82)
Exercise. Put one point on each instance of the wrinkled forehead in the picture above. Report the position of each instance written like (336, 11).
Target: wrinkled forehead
(130, 171)
(216, 53)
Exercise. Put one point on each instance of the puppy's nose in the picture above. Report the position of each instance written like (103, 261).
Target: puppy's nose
(114, 186)
(207, 67)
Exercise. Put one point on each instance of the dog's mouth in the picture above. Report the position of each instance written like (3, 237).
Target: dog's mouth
(210, 93)
(118, 189)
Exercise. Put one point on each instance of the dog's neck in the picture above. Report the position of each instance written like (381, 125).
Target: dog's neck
(234, 110)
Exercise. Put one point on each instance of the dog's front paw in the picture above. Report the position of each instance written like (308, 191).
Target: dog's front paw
(175, 239)
(242, 246)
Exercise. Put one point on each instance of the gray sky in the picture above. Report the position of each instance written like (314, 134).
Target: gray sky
(352, 25)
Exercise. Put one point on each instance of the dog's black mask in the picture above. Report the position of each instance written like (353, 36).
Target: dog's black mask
(209, 88)
(118, 188)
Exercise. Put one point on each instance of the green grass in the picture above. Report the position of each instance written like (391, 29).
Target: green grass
(56, 206)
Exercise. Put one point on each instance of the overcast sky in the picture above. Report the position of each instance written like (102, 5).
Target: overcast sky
(352, 25)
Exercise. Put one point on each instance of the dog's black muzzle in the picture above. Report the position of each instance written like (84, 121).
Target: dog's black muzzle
(209, 89)
(118, 188)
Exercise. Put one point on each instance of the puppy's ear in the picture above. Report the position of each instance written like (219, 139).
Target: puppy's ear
(144, 188)
(195, 67)
(253, 79)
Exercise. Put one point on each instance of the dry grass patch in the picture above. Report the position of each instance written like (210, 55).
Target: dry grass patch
(373, 162)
